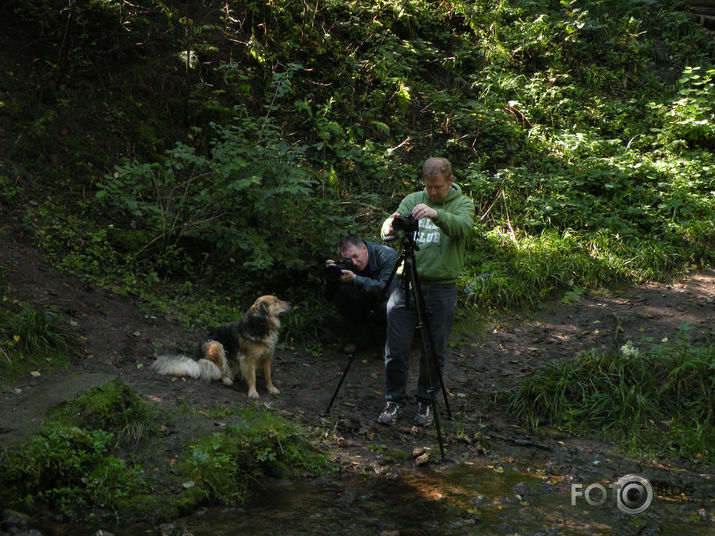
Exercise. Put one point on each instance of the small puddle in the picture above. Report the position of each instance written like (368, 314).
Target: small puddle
(465, 500)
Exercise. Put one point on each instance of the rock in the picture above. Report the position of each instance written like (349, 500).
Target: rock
(520, 491)
(423, 459)
(14, 520)
(174, 529)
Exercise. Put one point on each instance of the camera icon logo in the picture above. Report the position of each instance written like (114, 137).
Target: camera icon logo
(634, 494)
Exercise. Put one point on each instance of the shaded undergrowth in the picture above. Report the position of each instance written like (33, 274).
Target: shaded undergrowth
(223, 157)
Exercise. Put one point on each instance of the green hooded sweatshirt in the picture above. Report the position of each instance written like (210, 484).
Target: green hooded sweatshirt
(441, 241)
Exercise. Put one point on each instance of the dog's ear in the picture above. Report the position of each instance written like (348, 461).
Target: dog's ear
(258, 319)
(259, 310)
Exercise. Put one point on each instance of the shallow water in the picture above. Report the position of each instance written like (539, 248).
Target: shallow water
(466, 500)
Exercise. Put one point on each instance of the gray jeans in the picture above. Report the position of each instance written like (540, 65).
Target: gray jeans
(401, 321)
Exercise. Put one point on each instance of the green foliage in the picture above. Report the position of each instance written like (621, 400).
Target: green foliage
(113, 408)
(78, 247)
(69, 469)
(688, 119)
(249, 206)
(659, 400)
(31, 339)
(72, 467)
(244, 137)
(260, 444)
(75, 467)
(9, 190)
(314, 323)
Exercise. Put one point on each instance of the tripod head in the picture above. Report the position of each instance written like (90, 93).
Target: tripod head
(409, 245)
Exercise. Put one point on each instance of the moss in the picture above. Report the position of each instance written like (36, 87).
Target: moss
(259, 445)
(127, 240)
(390, 456)
(112, 407)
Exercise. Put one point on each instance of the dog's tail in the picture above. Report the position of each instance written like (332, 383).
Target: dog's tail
(182, 365)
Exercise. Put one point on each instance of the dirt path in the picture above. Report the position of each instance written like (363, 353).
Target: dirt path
(121, 341)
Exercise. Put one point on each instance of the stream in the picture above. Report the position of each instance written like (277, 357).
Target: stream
(464, 500)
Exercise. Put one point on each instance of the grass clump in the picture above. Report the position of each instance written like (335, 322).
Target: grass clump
(33, 338)
(660, 400)
(113, 408)
(228, 464)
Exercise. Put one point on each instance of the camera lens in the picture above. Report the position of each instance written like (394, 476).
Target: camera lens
(634, 494)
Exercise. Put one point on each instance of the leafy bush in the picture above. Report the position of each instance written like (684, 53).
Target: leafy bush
(70, 470)
(250, 206)
(689, 118)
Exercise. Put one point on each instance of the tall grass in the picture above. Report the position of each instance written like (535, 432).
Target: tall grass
(516, 273)
(32, 338)
(660, 400)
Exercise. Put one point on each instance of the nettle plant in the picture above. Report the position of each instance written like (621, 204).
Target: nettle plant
(689, 118)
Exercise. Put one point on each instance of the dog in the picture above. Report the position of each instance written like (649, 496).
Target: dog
(240, 346)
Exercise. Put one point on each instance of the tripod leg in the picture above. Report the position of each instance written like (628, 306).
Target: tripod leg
(340, 383)
(444, 395)
(433, 403)
(434, 369)
(428, 346)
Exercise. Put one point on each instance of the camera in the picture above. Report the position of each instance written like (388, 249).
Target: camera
(333, 272)
(407, 224)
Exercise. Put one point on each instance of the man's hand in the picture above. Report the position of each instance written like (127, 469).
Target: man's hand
(347, 277)
(387, 229)
(423, 211)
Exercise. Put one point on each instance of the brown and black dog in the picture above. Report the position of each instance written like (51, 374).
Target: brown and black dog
(240, 346)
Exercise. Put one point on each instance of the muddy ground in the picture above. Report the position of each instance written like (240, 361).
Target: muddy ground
(484, 360)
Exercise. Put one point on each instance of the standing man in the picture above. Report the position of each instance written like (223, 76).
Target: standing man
(445, 217)
(358, 291)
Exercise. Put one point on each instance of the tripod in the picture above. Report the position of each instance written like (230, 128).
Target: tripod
(412, 287)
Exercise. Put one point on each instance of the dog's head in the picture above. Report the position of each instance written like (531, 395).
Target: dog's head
(269, 307)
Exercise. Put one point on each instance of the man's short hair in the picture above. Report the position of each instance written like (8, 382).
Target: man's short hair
(434, 166)
(350, 240)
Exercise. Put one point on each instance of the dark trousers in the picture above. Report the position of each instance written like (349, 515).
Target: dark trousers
(362, 314)
(401, 322)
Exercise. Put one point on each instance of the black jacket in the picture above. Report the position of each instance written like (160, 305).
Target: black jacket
(380, 262)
